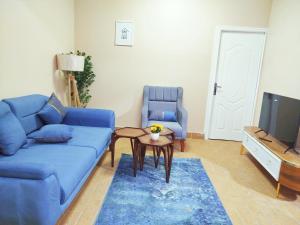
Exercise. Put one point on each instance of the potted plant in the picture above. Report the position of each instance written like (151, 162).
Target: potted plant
(155, 130)
(85, 78)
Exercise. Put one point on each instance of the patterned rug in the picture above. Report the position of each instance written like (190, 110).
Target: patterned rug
(189, 198)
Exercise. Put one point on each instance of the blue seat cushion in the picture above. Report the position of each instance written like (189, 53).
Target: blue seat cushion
(12, 134)
(93, 137)
(71, 163)
(171, 125)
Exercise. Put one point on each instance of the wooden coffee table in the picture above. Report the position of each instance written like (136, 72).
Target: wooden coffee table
(163, 144)
(132, 134)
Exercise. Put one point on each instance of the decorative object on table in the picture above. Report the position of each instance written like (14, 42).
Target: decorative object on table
(165, 132)
(71, 63)
(155, 131)
(124, 33)
(189, 199)
(165, 99)
(85, 79)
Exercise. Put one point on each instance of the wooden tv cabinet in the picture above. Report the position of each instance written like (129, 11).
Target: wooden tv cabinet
(283, 167)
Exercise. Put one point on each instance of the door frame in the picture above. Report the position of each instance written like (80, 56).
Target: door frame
(214, 68)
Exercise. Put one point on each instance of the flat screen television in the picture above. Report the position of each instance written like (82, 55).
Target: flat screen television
(280, 117)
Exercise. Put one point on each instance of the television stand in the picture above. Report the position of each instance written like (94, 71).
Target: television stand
(282, 165)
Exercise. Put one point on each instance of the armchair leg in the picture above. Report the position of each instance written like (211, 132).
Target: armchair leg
(182, 145)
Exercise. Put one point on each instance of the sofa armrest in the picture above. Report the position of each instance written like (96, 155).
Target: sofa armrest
(33, 171)
(28, 202)
(144, 115)
(90, 117)
(182, 119)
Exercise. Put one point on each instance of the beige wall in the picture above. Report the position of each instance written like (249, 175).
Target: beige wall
(173, 45)
(31, 33)
(281, 66)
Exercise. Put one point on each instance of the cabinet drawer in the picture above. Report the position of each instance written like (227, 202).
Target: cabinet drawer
(263, 155)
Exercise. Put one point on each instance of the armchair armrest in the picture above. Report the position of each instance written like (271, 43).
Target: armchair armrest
(33, 171)
(182, 119)
(144, 115)
(90, 117)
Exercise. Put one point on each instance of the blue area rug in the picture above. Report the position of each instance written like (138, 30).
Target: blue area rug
(189, 198)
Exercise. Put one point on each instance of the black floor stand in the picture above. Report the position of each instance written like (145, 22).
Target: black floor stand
(265, 139)
(260, 130)
(291, 148)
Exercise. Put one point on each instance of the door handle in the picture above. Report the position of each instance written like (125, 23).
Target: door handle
(216, 86)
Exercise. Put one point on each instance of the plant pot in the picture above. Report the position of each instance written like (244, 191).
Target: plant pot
(154, 136)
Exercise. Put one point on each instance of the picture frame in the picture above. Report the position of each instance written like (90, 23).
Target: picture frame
(124, 34)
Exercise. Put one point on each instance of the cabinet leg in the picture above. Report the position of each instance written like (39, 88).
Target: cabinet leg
(242, 150)
(277, 190)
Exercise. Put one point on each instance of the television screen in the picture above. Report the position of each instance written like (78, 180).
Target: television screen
(280, 117)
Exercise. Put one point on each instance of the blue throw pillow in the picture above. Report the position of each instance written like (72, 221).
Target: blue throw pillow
(12, 134)
(53, 133)
(53, 112)
(163, 116)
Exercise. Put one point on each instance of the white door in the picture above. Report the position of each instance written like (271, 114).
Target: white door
(236, 77)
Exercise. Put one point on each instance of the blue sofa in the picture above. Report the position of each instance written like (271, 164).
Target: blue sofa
(39, 182)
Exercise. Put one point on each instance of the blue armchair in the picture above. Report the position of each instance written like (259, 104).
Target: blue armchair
(166, 99)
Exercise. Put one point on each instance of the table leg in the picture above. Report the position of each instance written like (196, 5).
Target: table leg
(143, 153)
(158, 151)
(166, 163)
(132, 145)
(154, 155)
(112, 148)
(170, 153)
(173, 137)
(277, 190)
(135, 153)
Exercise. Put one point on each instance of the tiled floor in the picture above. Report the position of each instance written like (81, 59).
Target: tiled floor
(246, 190)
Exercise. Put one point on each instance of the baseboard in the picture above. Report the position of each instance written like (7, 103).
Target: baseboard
(195, 135)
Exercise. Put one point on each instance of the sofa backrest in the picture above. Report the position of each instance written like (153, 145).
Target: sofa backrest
(162, 98)
(26, 108)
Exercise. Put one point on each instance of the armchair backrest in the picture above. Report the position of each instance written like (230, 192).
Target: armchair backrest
(162, 98)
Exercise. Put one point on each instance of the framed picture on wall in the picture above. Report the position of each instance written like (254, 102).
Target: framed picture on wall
(124, 33)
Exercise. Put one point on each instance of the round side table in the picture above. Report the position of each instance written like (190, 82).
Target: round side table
(163, 144)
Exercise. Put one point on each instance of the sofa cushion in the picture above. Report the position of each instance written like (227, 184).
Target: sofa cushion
(52, 133)
(94, 137)
(12, 134)
(70, 163)
(171, 125)
(25, 108)
(162, 115)
(53, 112)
